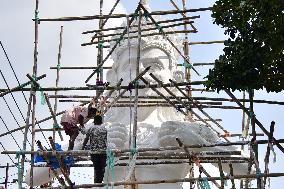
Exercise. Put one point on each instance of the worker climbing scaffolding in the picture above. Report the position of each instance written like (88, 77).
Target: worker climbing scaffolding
(72, 117)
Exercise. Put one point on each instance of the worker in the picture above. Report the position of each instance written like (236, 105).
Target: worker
(97, 133)
(76, 115)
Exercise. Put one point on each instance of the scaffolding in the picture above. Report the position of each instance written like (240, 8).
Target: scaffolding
(193, 108)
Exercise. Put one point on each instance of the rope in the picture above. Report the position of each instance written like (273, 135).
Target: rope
(146, 15)
(36, 16)
(159, 28)
(203, 183)
(18, 153)
(258, 174)
(42, 97)
(273, 151)
(58, 66)
(110, 166)
(224, 180)
(187, 65)
(101, 45)
(136, 15)
(56, 126)
(132, 163)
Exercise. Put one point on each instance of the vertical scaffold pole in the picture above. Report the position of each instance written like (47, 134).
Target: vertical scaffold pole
(34, 90)
(187, 77)
(135, 117)
(57, 77)
(100, 73)
(31, 107)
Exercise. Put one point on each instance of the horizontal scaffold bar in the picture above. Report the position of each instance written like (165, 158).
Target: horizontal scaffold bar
(121, 15)
(119, 151)
(95, 87)
(120, 183)
(159, 22)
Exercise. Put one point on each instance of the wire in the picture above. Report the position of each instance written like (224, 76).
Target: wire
(19, 85)
(7, 154)
(13, 115)
(12, 96)
(10, 133)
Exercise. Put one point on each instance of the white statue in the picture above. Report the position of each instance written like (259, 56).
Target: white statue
(157, 126)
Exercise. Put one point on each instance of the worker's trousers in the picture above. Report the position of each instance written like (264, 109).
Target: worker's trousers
(99, 161)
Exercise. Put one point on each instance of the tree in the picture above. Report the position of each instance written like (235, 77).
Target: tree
(254, 52)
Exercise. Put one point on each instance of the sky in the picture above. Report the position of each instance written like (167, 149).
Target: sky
(17, 36)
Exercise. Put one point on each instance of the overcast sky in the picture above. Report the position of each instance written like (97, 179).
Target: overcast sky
(17, 36)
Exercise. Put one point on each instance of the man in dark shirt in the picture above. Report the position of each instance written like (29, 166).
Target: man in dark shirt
(97, 134)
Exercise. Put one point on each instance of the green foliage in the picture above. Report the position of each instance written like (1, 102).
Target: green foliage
(254, 53)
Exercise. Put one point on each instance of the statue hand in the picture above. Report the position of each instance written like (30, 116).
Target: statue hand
(117, 135)
(188, 133)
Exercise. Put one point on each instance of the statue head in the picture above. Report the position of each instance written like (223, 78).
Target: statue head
(156, 52)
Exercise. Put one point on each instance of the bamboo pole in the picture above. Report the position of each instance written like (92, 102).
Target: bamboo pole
(26, 127)
(135, 117)
(18, 88)
(57, 74)
(184, 104)
(100, 51)
(37, 122)
(196, 104)
(53, 116)
(206, 42)
(160, 94)
(240, 135)
(33, 135)
(110, 13)
(63, 169)
(143, 35)
(221, 174)
(255, 119)
(46, 158)
(205, 158)
(79, 67)
(121, 15)
(266, 158)
(161, 162)
(209, 120)
(167, 38)
(232, 175)
(113, 48)
(243, 117)
(163, 105)
(179, 97)
(147, 29)
(195, 158)
(31, 107)
(94, 87)
(177, 101)
(200, 64)
(250, 176)
(184, 8)
(118, 153)
(133, 82)
(7, 176)
(133, 26)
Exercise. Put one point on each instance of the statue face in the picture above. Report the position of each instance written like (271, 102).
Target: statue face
(125, 67)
